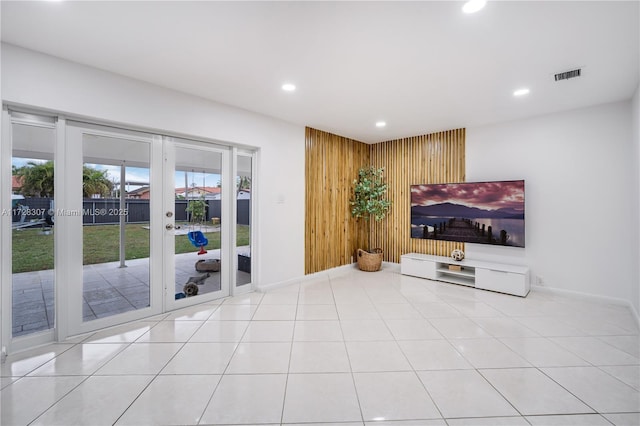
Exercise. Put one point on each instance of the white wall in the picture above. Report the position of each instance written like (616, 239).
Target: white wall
(46, 82)
(635, 113)
(579, 172)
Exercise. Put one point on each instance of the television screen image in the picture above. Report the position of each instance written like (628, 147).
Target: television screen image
(471, 212)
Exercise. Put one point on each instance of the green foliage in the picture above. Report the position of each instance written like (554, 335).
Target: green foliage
(243, 182)
(369, 195)
(198, 209)
(95, 182)
(36, 179)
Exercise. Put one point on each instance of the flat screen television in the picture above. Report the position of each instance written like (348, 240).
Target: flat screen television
(470, 212)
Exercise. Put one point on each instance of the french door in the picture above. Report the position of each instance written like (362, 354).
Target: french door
(197, 222)
(114, 244)
(140, 224)
(146, 249)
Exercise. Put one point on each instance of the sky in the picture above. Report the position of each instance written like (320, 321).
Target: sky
(484, 195)
(137, 174)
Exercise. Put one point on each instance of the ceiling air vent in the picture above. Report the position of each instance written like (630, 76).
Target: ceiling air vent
(568, 74)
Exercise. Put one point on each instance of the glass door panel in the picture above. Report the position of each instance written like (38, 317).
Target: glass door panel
(196, 243)
(116, 220)
(243, 213)
(32, 230)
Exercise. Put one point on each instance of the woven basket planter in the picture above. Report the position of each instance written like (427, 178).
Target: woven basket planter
(370, 261)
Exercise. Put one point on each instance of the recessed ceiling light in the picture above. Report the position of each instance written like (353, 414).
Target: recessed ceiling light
(472, 6)
(288, 87)
(521, 92)
(380, 124)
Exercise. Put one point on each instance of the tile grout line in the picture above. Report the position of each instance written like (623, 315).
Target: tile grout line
(237, 344)
(86, 378)
(154, 376)
(344, 343)
(286, 382)
(158, 374)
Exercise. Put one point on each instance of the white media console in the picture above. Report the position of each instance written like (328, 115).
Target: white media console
(500, 277)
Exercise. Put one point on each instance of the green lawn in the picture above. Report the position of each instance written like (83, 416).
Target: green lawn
(34, 252)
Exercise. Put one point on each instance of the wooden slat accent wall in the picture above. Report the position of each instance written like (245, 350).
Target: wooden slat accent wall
(332, 162)
(434, 158)
(331, 235)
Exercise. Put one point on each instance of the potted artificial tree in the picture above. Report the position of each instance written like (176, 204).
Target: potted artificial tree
(369, 202)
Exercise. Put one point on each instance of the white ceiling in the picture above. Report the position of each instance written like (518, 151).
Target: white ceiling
(419, 66)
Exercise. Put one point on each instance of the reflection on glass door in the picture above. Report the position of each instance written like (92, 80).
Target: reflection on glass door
(116, 220)
(243, 213)
(198, 254)
(32, 230)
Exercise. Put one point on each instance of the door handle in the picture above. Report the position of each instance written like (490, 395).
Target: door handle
(169, 226)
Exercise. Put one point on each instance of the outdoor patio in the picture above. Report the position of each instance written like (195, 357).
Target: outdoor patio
(108, 289)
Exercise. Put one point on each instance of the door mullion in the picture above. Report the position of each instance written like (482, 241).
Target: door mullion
(5, 248)
(156, 223)
(167, 239)
(61, 243)
(229, 200)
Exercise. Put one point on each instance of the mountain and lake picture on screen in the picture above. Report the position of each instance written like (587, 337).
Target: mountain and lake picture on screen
(472, 212)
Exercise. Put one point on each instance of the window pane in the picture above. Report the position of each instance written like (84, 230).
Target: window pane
(32, 189)
(243, 203)
(116, 226)
(198, 219)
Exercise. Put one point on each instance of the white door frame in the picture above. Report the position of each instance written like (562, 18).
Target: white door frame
(5, 236)
(71, 226)
(9, 344)
(253, 220)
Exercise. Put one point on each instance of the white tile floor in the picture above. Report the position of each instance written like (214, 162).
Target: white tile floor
(343, 348)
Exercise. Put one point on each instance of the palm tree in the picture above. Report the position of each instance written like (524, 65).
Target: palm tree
(244, 183)
(37, 179)
(95, 182)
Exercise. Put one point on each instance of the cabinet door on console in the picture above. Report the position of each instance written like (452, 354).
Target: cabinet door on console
(504, 282)
(418, 268)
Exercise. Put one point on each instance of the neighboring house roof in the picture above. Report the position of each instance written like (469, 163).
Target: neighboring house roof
(142, 190)
(141, 193)
(16, 183)
(210, 190)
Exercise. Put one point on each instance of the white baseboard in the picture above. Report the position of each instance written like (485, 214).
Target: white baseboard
(263, 288)
(393, 267)
(327, 273)
(592, 297)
